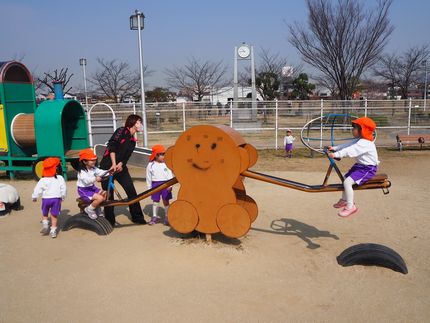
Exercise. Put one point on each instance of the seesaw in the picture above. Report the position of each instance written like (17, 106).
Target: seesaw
(210, 163)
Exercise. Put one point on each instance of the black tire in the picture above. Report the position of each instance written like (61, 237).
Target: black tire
(105, 224)
(84, 222)
(372, 254)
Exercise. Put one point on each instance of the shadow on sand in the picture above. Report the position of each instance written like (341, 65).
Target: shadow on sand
(291, 227)
(201, 237)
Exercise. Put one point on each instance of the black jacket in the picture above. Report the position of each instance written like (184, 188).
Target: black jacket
(122, 143)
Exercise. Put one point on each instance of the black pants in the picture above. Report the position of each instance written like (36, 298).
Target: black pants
(124, 179)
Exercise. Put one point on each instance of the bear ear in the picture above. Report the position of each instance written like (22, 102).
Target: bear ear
(252, 153)
(168, 157)
(244, 159)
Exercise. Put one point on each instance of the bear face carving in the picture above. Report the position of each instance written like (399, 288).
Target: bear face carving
(208, 153)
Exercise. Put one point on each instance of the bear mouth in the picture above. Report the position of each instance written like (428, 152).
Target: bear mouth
(201, 167)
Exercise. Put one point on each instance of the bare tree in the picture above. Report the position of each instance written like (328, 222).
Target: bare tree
(269, 74)
(116, 80)
(197, 78)
(49, 79)
(327, 83)
(270, 81)
(38, 85)
(343, 39)
(402, 70)
(19, 57)
(269, 62)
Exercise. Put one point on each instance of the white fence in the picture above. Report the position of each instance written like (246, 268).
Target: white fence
(265, 125)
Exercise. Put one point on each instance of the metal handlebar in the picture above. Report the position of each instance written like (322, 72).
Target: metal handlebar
(332, 165)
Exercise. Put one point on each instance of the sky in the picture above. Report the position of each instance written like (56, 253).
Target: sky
(52, 34)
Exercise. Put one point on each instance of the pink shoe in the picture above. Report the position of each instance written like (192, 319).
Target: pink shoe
(340, 204)
(347, 212)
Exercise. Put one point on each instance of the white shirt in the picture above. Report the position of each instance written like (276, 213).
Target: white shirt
(50, 187)
(363, 150)
(289, 140)
(89, 177)
(156, 171)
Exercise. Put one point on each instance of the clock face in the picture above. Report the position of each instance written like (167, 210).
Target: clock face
(243, 51)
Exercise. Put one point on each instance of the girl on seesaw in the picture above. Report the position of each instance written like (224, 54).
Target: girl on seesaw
(158, 173)
(88, 175)
(364, 150)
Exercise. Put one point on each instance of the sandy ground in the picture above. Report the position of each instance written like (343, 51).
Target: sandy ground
(284, 270)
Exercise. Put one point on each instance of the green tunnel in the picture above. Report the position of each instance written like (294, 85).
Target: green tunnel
(61, 128)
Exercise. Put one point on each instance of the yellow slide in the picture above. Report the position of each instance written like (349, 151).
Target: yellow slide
(3, 140)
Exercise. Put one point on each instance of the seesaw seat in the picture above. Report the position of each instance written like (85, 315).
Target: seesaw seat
(379, 178)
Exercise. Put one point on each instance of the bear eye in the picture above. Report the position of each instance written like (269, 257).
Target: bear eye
(197, 146)
(213, 146)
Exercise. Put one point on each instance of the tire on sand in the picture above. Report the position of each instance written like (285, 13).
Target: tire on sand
(372, 254)
(101, 226)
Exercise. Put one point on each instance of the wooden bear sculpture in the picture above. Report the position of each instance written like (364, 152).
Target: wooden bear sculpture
(207, 162)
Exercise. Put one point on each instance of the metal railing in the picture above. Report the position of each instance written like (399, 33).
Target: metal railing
(264, 126)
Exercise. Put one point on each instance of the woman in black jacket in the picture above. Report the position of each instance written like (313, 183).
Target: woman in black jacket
(118, 151)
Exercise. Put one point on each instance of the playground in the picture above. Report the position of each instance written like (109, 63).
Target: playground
(285, 268)
(235, 161)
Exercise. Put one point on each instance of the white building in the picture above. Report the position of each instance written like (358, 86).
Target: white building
(225, 94)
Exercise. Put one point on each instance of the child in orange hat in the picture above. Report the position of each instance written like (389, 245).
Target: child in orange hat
(364, 150)
(158, 173)
(88, 175)
(52, 188)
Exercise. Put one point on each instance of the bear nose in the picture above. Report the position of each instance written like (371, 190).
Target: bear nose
(197, 146)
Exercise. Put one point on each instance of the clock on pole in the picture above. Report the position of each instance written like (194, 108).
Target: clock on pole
(244, 52)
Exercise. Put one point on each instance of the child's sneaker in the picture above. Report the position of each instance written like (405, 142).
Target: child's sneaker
(153, 221)
(99, 212)
(340, 204)
(166, 220)
(44, 231)
(91, 213)
(347, 212)
(53, 234)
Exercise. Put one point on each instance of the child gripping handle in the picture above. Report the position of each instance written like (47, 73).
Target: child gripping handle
(363, 149)
(88, 175)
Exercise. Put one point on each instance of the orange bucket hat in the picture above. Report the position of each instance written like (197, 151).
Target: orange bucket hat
(157, 149)
(367, 125)
(50, 166)
(87, 154)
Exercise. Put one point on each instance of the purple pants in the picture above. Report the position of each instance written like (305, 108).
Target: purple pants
(164, 194)
(289, 147)
(51, 204)
(361, 173)
(87, 193)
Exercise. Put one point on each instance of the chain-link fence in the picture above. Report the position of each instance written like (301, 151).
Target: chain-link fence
(264, 125)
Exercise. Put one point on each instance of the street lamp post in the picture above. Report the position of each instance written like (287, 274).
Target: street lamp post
(83, 63)
(425, 85)
(137, 23)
